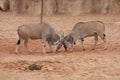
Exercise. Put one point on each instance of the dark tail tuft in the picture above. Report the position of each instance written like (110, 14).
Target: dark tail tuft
(18, 42)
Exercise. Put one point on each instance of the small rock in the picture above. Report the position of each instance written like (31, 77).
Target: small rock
(35, 67)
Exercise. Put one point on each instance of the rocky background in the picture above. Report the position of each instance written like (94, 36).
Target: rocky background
(53, 7)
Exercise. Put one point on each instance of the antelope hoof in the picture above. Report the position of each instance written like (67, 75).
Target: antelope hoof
(16, 52)
(92, 49)
(83, 49)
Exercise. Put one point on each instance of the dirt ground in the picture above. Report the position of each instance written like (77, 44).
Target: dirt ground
(79, 65)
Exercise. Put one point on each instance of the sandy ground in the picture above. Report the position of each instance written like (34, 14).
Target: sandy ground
(79, 65)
